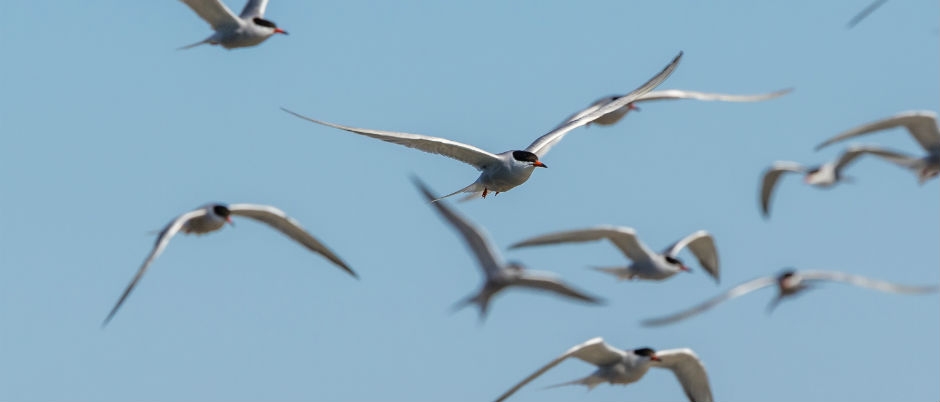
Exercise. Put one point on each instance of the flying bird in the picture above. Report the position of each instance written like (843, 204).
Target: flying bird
(826, 175)
(504, 171)
(922, 125)
(246, 29)
(212, 217)
(790, 283)
(669, 94)
(499, 274)
(624, 367)
(647, 264)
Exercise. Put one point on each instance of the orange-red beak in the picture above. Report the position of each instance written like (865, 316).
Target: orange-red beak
(280, 31)
(539, 164)
(632, 107)
(229, 220)
(684, 268)
(655, 358)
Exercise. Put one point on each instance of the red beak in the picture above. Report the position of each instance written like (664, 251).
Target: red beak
(280, 31)
(229, 220)
(685, 268)
(633, 107)
(539, 164)
(654, 358)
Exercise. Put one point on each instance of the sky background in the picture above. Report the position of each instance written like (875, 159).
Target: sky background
(108, 133)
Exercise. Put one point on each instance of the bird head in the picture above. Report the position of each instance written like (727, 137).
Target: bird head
(223, 212)
(265, 23)
(647, 353)
(677, 263)
(528, 158)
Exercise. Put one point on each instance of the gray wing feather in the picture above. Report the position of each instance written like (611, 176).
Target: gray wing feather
(488, 257)
(543, 144)
(555, 286)
(163, 240)
(623, 238)
(702, 246)
(742, 289)
(469, 154)
(769, 181)
(291, 228)
(214, 12)
(254, 8)
(864, 282)
(690, 372)
(922, 125)
(594, 351)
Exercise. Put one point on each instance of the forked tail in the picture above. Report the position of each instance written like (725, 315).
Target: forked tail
(204, 41)
(589, 381)
(472, 188)
(620, 272)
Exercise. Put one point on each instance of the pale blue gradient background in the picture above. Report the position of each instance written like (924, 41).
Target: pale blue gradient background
(108, 133)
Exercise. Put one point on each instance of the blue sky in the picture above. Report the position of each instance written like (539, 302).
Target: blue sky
(109, 133)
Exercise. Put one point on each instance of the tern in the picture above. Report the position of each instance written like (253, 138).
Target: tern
(922, 125)
(624, 367)
(504, 171)
(826, 175)
(789, 283)
(669, 94)
(647, 264)
(212, 217)
(231, 31)
(499, 274)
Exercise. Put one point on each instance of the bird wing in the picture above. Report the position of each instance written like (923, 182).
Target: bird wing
(543, 144)
(709, 96)
(854, 152)
(702, 246)
(551, 284)
(594, 351)
(742, 289)
(689, 371)
(490, 261)
(769, 181)
(586, 111)
(469, 154)
(922, 125)
(163, 240)
(214, 12)
(865, 13)
(864, 282)
(623, 238)
(279, 220)
(254, 8)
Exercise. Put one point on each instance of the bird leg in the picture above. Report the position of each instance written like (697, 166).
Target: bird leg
(485, 192)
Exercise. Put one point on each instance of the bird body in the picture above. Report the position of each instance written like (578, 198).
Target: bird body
(231, 31)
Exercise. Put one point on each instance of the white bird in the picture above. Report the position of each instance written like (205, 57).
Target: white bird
(212, 217)
(669, 94)
(499, 274)
(499, 172)
(624, 367)
(790, 283)
(231, 31)
(647, 264)
(921, 124)
(822, 176)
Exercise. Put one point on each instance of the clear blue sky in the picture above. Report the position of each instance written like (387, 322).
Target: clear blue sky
(108, 132)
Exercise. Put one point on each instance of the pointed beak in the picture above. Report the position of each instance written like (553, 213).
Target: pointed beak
(655, 358)
(280, 31)
(539, 164)
(229, 220)
(633, 107)
(685, 268)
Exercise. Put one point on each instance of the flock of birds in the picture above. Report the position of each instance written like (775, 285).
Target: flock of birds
(504, 171)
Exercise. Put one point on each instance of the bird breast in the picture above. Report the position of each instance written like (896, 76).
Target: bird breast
(203, 224)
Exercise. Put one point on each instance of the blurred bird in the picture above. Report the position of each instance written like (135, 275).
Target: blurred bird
(669, 94)
(212, 217)
(790, 283)
(826, 175)
(499, 274)
(922, 125)
(647, 264)
(624, 367)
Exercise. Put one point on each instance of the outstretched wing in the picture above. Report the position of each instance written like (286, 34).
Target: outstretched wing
(279, 220)
(162, 241)
(254, 8)
(672, 94)
(922, 125)
(689, 371)
(742, 289)
(543, 144)
(594, 351)
(469, 154)
(864, 282)
(769, 182)
(487, 256)
(623, 237)
(215, 13)
(702, 246)
(554, 285)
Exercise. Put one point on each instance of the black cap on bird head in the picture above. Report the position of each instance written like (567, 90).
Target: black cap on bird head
(526, 156)
(646, 352)
(223, 211)
(265, 23)
(675, 261)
